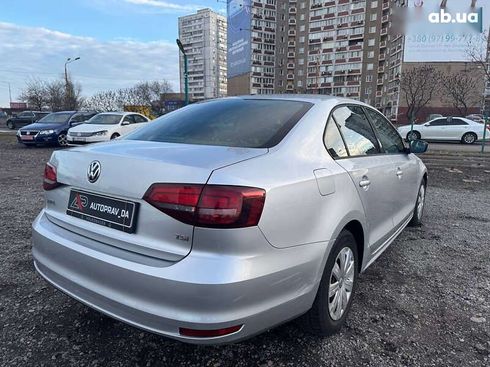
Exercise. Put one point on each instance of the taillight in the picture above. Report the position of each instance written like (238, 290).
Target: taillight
(212, 206)
(50, 180)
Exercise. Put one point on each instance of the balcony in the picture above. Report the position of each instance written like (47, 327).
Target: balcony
(385, 18)
(292, 32)
(292, 21)
(382, 44)
(384, 31)
(290, 77)
(291, 43)
(292, 10)
(382, 57)
(381, 69)
(291, 55)
(290, 65)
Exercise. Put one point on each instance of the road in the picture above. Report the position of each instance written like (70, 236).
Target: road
(424, 302)
(458, 147)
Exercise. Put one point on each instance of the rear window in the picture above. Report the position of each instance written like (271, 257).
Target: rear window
(247, 123)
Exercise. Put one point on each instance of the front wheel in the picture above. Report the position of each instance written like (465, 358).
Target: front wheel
(418, 212)
(62, 142)
(469, 138)
(336, 290)
(413, 135)
(115, 136)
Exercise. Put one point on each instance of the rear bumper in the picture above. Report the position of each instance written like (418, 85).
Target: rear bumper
(202, 291)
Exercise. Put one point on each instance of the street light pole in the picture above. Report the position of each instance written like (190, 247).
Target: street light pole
(10, 91)
(67, 89)
(186, 77)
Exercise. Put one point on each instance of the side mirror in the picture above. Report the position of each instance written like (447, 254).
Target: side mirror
(124, 123)
(418, 146)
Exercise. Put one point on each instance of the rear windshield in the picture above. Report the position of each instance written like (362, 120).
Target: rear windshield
(106, 119)
(56, 118)
(247, 123)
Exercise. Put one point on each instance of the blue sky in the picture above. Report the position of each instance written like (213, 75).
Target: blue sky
(120, 42)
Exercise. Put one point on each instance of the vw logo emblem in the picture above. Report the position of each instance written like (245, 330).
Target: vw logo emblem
(93, 171)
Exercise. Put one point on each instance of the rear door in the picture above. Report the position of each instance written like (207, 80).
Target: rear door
(369, 170)
(436, 129)
(403, 173)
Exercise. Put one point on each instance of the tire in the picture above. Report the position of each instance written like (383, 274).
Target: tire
(115, 136)
(62, 140)
(10, 125)
(415, 134)
(469, 138)
(418, 211)
(320, 320)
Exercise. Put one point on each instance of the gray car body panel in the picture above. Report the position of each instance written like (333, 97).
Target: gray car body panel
(258, 276)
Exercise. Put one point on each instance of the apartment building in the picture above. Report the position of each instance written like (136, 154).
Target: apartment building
(337, 47)
(204, 37)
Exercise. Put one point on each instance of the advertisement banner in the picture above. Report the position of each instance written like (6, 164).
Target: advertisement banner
(441, 31)
(239, 48)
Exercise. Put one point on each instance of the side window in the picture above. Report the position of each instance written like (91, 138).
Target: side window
(390, 140)
(333, 140)
(129, 118)
(79, 117)
(138, 119)
(439, 122)
(356, 130)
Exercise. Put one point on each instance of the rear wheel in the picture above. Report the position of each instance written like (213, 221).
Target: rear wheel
(336, 290)
(418, 212)
(469, 138)
(413, 135)
(115, 136)
(10, 125)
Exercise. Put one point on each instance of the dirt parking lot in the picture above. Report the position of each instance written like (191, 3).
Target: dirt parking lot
(425, 302)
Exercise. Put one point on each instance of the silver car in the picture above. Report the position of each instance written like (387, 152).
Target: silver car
(226, 218)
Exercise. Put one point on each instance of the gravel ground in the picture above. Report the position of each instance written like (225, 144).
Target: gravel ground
(425, 302)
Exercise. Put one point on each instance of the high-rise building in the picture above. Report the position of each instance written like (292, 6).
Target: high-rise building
(204, 37)
(336, 47)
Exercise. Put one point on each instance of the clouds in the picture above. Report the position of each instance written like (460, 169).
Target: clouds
(39, 52)
(166, 5)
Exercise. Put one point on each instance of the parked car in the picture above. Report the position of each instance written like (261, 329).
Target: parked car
(225, 218)
(476, 117)
(25, 118)
(445, 129)
(3, 117)
(52, 129)
(106, 126)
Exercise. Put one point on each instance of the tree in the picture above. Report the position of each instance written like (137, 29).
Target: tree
(477, 51)
(55, 93)
(462, 90)
(73, 95)
(106, 101)
(419, 85)
(35, 94)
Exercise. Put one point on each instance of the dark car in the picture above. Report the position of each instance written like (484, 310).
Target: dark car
(52, 129)
(25, 118)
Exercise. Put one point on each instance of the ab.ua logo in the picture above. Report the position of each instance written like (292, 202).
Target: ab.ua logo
(443, 17)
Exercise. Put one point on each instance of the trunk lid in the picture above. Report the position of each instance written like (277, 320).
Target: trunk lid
(128, 169)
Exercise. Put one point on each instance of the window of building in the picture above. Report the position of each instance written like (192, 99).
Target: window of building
(370, 54)
(374, 17)
(370, 67)
(302, 28)
(371, 42)
(369, 78)
(372, 29)
(374, 4)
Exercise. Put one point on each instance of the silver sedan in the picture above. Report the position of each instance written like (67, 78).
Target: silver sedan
(226, 218)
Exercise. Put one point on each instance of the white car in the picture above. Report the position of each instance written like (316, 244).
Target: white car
(445, 129)
(106, 126)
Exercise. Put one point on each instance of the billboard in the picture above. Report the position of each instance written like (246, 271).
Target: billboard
(441, 31)
(239, 33)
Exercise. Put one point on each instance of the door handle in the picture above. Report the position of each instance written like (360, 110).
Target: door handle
(399, 172)
(364, 183)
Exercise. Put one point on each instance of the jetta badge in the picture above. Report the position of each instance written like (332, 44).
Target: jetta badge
(93, 171)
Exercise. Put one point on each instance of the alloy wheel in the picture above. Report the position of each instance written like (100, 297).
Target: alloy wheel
(62, 140)
(469, 138)
(341, 283)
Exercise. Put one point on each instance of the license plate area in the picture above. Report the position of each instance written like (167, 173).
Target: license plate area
(103, 210)
(27, 137)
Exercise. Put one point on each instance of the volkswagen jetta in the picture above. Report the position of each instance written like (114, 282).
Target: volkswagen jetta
(225, 218)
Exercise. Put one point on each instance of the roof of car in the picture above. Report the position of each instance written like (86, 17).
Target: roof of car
(311, 98)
